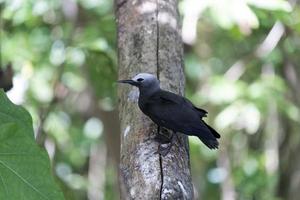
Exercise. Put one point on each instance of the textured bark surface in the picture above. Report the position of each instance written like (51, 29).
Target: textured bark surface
(149, 41)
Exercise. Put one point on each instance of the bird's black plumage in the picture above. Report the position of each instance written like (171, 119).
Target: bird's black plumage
(172, 111)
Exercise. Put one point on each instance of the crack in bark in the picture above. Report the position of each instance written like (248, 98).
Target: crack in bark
(157, 74)
(162, 176)
(157, 40)
(161, 169)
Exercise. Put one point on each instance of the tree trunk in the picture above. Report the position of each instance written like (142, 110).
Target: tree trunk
(149, 41)
(289, 162)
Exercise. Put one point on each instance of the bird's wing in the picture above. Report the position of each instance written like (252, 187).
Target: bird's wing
(175, 114)
(171, 97)
(202, 113)
(172, 111)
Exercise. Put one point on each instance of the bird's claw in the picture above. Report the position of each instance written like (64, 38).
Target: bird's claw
(162, 150)
(162, 139)
(164, 136)
(165, 145)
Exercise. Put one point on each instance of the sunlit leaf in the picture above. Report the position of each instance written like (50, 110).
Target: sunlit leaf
(24, 168)
(271, 4)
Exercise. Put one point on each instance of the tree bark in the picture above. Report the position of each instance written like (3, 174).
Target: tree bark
(149, 41)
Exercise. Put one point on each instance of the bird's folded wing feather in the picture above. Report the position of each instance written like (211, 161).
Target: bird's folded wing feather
(171, 97)
(173, 112)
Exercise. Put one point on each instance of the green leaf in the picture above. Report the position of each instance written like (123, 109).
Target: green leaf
(272, 5)
(25, 171)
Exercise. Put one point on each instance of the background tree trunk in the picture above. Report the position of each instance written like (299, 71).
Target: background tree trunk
(149, 41)
(289, 162)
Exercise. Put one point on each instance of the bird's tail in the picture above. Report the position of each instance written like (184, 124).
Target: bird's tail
(206, 134)
(213, 131)
(211, 143)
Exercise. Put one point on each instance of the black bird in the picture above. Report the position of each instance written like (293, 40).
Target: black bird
(172, 111)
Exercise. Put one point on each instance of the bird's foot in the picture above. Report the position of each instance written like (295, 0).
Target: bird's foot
(162, 139)
(164, 149)
(164, 136)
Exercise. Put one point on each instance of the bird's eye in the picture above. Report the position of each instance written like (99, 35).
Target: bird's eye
(140, 79)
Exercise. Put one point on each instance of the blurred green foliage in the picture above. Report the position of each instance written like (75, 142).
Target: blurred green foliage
(237, 68)
(241, 64)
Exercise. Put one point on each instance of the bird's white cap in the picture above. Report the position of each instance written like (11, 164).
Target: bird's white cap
(144, 76)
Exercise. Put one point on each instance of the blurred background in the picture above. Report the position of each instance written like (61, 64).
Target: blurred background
(241, 64)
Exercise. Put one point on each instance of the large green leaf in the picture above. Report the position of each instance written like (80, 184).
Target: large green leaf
(24, 167)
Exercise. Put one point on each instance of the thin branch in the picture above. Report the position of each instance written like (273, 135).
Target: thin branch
(263, 49)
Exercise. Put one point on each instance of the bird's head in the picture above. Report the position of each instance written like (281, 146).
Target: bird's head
(143, 81)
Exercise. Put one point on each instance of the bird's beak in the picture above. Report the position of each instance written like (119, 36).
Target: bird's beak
(131, 82)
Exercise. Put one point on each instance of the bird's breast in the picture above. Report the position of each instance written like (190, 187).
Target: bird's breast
(142, 106)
